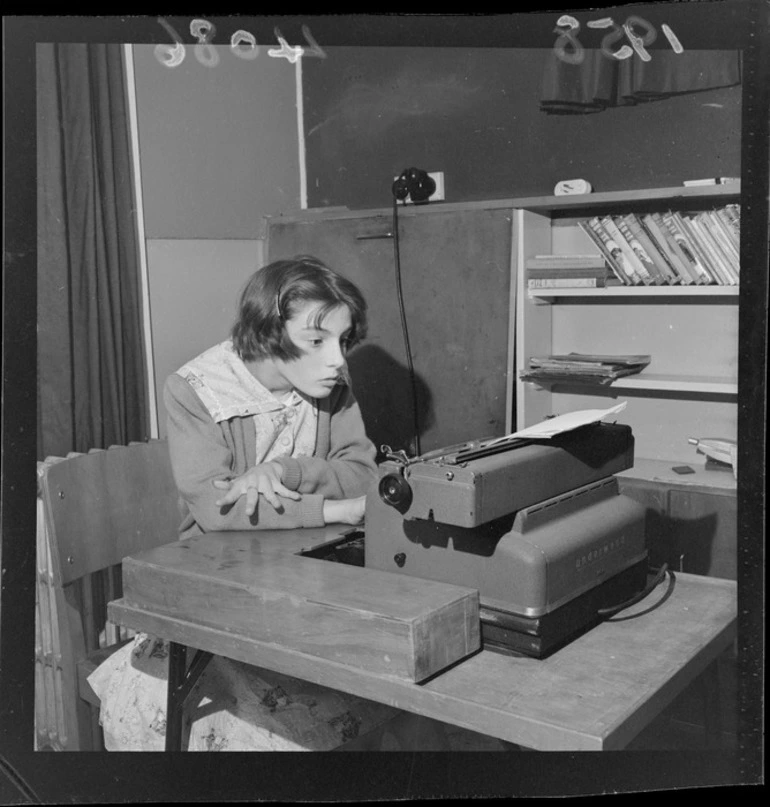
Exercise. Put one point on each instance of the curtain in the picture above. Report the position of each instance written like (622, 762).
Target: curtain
(600, 81)
(91, 371)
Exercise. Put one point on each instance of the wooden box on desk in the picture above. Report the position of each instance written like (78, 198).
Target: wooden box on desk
(257, 585)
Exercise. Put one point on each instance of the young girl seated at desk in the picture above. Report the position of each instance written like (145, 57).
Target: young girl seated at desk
(264, 433)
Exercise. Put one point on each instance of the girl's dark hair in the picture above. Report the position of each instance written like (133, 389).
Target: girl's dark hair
(274, 294)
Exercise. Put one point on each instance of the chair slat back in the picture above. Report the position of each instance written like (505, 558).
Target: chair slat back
(93, 510)
(108, 504)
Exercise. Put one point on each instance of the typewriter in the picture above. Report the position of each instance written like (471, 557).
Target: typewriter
(539, 527)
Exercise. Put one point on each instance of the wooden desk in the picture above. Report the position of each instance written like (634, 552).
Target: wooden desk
(597, 693)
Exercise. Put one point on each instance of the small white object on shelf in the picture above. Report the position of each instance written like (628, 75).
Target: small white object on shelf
(695, 183)
(572, 187)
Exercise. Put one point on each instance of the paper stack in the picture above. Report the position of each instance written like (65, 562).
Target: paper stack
(583, 368)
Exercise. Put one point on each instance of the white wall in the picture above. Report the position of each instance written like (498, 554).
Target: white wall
(218, 151)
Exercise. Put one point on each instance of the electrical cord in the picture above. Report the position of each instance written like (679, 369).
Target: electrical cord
(609, 614)
(404, 329)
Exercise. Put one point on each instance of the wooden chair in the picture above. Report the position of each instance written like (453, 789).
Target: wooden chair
(93, 510)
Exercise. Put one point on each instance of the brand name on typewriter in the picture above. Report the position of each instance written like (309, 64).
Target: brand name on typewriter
(599, 552)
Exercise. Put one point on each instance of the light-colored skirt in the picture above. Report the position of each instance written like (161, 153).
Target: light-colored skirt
(233, 706)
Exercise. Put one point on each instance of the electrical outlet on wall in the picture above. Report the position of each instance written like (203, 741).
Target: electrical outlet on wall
(438, 178)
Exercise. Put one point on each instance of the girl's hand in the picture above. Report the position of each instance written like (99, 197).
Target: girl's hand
(264, 479)
(344, 511)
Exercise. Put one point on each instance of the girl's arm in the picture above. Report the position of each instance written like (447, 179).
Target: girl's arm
(349, 469)
(201, 453)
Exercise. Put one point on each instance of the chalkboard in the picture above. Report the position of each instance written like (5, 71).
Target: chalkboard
(474, 113)
(455, 269)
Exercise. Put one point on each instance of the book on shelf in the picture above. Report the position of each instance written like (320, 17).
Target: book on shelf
(694, 266)
(665, 240)
(709, 240)
(730, 217)
(615, 245)
(721, 235)
(726, 234)
(640, 272)
(589, 257)
(611, 252)
(566, 261)
(571, 282)
(732, 214)
(568, 276)
(721, 227)
(720, 243)
(656, 255)
(719, 264)
(698, 248)
(649, 266)
(569, 271)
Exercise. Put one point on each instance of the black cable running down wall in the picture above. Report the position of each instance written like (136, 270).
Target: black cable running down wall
(404, 329)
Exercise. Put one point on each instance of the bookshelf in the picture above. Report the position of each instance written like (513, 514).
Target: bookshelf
(690, 387)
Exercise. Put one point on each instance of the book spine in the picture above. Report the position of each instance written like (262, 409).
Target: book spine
(565, 282)
(657, 275)
(697, 271)
(721, 226)
(566, 267)
(568, 272)
(698, 249)
(683, 262)
(712, 247)
(728, 227)
(731, 217)
(662, 240)
(639, 273)
(659, 258)
(593, 230)
(586, 270)
(733, 214)
(560, 256)
(720, 237)
(594, 262)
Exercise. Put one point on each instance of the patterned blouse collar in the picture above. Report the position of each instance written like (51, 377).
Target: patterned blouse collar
(227, 388)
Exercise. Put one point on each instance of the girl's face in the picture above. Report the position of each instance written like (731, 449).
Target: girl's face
(324, 347)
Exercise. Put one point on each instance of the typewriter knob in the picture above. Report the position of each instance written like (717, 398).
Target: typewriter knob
(395, 491)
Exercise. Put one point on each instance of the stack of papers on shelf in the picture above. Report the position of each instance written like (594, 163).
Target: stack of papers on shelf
(583, 368)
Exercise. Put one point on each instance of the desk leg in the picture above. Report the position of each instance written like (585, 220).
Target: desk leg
(181, 680)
